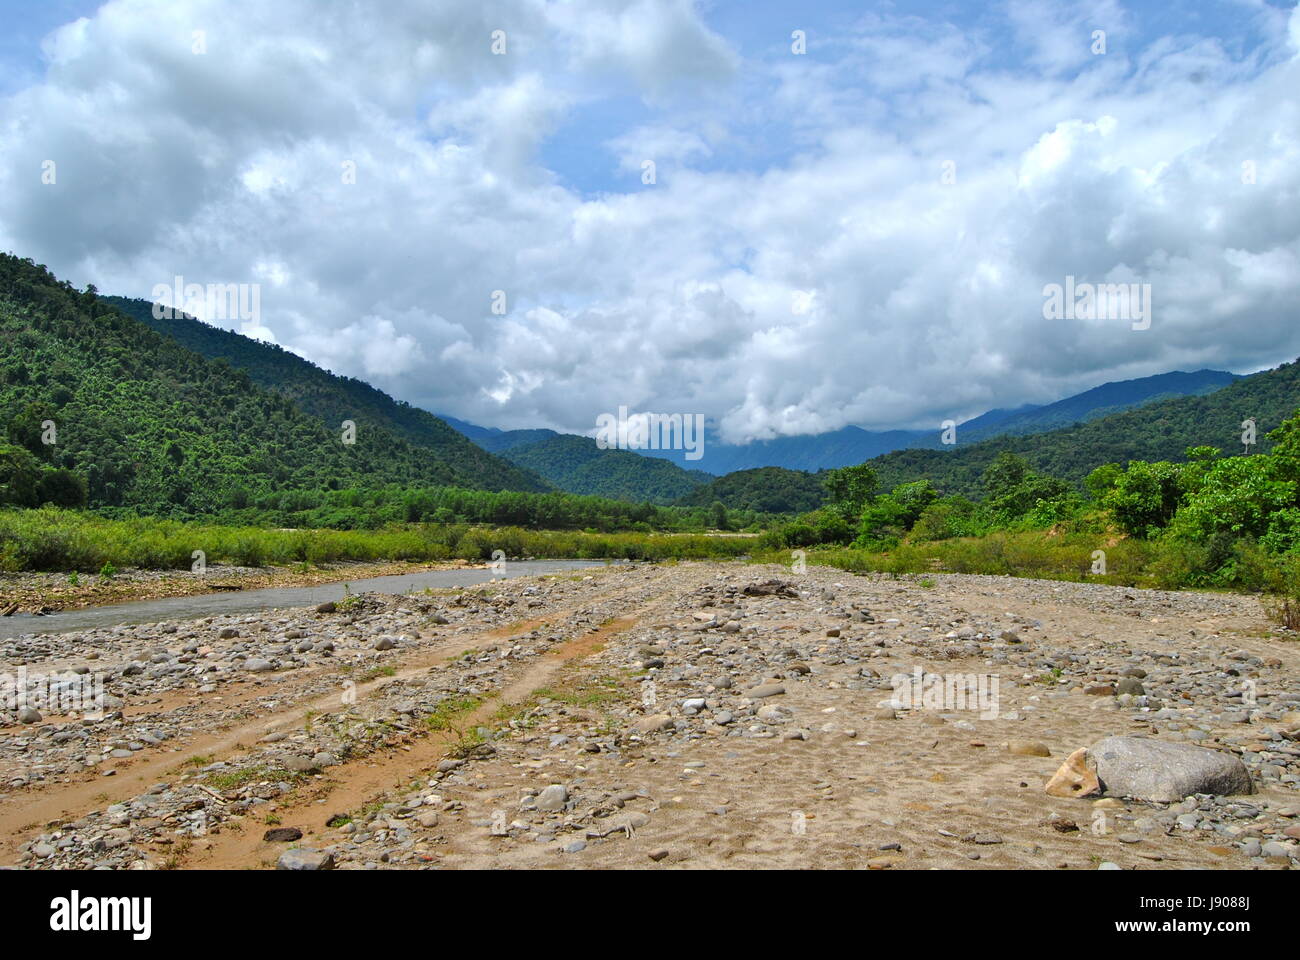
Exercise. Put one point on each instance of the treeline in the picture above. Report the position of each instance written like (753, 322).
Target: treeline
(1207, 520)
(370, 509)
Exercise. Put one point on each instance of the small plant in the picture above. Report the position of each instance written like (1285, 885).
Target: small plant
(926, 582)
(107, 571)
(73, 579)
(376, 672)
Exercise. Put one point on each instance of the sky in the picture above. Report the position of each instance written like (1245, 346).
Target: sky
(852, 214)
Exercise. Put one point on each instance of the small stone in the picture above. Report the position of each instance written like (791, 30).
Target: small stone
(764, 690)
(1028, 748)
(282, 834)
(304, 858)
(553, 798)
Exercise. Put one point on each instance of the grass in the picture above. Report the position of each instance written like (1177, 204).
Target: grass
(53, 539)
(374, 673)
(445, 715)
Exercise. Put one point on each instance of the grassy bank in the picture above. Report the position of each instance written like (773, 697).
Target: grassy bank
(51, 539)
(1053, 555)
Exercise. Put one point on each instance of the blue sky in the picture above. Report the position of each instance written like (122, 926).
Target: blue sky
(802, 260)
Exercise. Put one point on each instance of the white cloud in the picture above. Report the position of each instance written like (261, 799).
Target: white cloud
(817, 271)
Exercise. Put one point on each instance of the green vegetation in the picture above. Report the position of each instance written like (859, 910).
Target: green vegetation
(63, 540)
(97, 397)
(766, 490)
(576, 464)
(1159, 431)
(1208, 521)
(333, 399)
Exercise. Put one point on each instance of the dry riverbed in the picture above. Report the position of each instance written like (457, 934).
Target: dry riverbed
(35, 592)
(696, 715)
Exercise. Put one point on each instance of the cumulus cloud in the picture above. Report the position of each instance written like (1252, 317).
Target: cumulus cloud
(859, 235)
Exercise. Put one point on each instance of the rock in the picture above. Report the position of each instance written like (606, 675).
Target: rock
(765, 690)
(385, 643)
(1074, 778)
(1100, 690)
(282, 834)
(653, 723)
(29, 715)
(227, 633)
(577, 846)
(553, 798)
(1163, 772)
(258, 665)
(1131, 686)
(328, 607)
(1028, 748)
(304, 858)
(659, 854)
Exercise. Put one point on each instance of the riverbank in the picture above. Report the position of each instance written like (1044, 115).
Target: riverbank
(48, 592)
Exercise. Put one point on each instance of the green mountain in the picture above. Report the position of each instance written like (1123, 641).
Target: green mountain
(576, 464)
(146, 423)
(333, 399)
(1162, 430)
(1113, 397)
(765, 489)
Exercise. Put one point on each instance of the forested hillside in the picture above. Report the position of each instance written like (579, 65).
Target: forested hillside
(766, 490)
(1159, 431)
(334, 399)
(137, 420)
(576, 464)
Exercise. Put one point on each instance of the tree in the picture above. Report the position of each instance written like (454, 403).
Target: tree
(61, 487)
(850, 489)
(19, 474)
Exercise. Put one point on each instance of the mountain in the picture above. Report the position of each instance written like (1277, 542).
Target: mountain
(333, 399)
(1113, 397)
(765, 489)
(1161, 430)
(150, 425)
(852, 445)
(577, 465)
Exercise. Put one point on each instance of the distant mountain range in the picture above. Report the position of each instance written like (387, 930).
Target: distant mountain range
(852, 445)
(541, 451)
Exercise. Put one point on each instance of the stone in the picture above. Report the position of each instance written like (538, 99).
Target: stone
(304, 858)
(1028, 748)
(282, 834)
(1131, 686)
(1163, 772)
(1074, 778)
(258, 665)
(765, 690)
(653, 723)
(29, 715)
(385, 643)
(659, 854)
(553, 798)
(328, 607)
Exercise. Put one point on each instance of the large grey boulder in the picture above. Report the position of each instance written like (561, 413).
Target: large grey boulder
(1165, 772)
